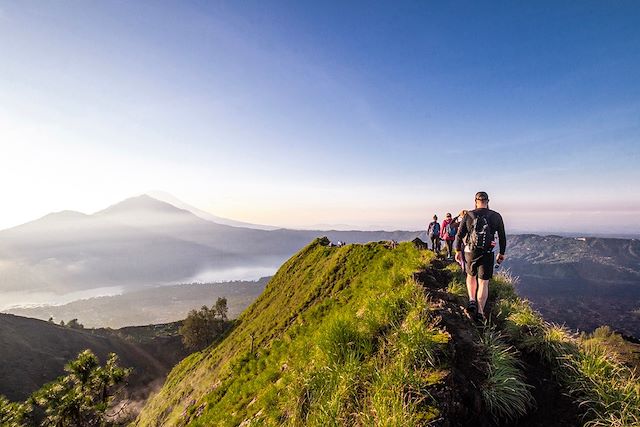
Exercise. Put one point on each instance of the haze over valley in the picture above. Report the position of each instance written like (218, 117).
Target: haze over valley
(141, 242)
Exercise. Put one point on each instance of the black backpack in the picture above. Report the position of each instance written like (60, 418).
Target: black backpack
(480, 234)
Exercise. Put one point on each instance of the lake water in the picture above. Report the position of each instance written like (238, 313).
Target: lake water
(29, 299)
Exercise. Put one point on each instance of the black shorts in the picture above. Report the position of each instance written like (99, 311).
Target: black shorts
(481, 266)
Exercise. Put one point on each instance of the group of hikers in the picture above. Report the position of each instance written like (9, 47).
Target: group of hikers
(472, 235)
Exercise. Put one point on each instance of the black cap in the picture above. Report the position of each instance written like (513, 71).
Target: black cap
(481, 195)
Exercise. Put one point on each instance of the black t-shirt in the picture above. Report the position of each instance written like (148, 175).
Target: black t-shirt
(494, 219)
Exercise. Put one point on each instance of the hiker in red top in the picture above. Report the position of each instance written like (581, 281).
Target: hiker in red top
(448, 234)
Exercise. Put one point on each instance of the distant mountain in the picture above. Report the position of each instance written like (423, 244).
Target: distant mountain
(34, 352)
(168, 198)
(156, 305)
(583, 282)
(143, 241)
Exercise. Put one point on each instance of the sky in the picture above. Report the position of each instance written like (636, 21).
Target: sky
(306, 113)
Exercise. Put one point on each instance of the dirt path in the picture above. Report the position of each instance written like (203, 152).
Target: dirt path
(460, 397)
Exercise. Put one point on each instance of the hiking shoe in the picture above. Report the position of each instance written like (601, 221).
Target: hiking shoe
(472, 309)
(480, 318)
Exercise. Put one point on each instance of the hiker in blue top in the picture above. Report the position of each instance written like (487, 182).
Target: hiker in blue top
(433, 231)
(477, 233)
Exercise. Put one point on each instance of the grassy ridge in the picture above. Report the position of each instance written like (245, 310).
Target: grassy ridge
(334, 334)
(347, 337)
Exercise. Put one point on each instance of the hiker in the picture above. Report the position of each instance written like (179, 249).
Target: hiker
(477, 232)
(458, 221)
(433, 231)
(448, 234)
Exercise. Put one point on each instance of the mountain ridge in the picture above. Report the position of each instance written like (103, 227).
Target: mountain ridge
(376, 334)
(34, 352)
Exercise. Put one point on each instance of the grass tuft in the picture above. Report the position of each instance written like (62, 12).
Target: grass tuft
(505, 392)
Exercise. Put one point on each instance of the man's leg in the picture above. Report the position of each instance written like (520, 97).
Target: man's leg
(483, 294)
(485, 273)
(472, 287)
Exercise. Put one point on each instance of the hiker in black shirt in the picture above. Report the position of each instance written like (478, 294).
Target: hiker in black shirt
(477, 234)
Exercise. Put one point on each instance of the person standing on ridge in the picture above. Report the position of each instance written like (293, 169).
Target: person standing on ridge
(433, 231)
(477, 232)
(458, 221)
(448, 234)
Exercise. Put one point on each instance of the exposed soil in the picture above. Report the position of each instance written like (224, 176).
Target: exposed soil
(460, 398)
(554, 408)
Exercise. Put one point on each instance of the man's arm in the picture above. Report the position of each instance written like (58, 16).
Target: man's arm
(502, 236)
(462, 233)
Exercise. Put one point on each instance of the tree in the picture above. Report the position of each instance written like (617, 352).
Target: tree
(221, 309)
(74, 324)
(81, 397)
(202, 327)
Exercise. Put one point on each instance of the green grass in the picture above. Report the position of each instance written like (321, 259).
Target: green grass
(345, 337)
(505, 391)
(13, 414)
(342, 336)
(458, 287)
(588, 367)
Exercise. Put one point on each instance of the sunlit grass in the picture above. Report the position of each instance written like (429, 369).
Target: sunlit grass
(589, 368)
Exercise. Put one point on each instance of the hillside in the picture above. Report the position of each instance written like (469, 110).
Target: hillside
(141, 242)
(375, 335)
(581, 282)
(161, 304)
(34, 352)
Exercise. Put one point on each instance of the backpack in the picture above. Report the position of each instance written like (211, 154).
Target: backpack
(451, 230)
(480, 234)
(434, 229)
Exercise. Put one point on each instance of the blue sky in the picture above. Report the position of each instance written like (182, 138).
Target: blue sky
(303, 113)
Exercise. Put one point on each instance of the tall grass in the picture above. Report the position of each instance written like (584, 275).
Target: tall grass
(588, 368)
(374, 367)
(505, 391)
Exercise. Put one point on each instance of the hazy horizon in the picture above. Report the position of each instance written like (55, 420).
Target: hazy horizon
(288, 114)
(623, 233)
